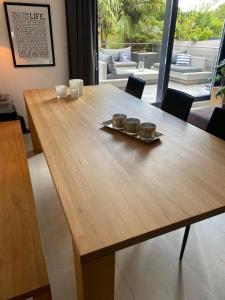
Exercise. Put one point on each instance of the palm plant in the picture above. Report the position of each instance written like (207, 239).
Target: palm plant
(135, 20)
(108, 10)
(135, 16)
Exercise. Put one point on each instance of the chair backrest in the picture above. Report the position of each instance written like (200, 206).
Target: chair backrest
(177, 103)
(216, 125)
(135, 86)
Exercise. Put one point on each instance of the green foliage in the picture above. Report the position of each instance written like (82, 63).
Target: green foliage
(134, 20)
(108, 10)
(142, 21)
(220, 78)
(198, 25)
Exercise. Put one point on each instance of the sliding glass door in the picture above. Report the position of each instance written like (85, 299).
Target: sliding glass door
(196, 44)
(131, 32)
(164, 42)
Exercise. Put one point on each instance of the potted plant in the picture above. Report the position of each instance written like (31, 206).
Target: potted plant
(219, 90)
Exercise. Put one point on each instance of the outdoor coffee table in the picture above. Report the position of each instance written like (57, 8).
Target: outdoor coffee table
(117, 191)
(146, 74)
(150, 76)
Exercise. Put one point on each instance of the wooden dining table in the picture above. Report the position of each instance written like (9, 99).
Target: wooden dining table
(117, 191)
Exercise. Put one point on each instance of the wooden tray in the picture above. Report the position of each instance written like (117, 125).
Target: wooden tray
(109, 124)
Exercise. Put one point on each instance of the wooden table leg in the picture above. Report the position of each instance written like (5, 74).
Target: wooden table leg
(34, 137)
(46, 295)
(96, 279)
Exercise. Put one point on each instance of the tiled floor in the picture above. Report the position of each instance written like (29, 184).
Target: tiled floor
(148, 271)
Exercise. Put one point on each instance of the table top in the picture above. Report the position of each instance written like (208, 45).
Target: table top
(115, 190)
(22, 264)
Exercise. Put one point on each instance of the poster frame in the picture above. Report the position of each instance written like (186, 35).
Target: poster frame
(28, 64)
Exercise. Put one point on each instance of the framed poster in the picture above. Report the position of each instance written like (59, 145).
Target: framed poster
(30, 34)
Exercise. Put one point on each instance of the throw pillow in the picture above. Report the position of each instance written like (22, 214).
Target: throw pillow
(175, 54)
(125, 56)
(114, 52)
(111, 67)
(183, 60)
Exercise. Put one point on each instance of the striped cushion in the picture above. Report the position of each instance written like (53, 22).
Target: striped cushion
(183, 60)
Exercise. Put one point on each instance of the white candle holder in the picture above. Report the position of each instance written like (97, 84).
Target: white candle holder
(74, 93)
(61, 91)
(77, 84)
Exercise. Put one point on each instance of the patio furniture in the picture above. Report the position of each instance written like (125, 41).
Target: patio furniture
(190, 78)
(216, 124)
(194, 74)
(125, 67)
(120, 62)
(135, 87)
(120, 79)
(177, 103)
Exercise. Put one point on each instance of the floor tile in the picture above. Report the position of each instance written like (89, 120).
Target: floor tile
(40, 175)
(63, 284)
(47, 201)
(122, 291)
(219, 221)
(58, 248)
(153, 272)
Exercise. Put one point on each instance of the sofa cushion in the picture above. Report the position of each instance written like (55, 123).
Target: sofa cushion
(183, 59)
(181, 69)
(114, 52)
(185, 69)
(111, 67)
(120, 75)
(175, 54)
(125, 56)
(129, 64)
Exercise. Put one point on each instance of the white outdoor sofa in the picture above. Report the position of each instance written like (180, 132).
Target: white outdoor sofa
(123, 72)
(196, 73)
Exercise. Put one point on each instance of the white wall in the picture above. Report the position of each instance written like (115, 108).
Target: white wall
(14, 80)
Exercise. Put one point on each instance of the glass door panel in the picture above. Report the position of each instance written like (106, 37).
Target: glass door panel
(131, 31)
(196, 45)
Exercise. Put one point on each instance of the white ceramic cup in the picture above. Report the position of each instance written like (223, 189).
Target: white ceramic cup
(74, 93)
(77, 83)
(61, 91)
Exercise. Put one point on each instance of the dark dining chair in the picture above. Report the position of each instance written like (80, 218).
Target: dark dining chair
(177, 103)
(216, 125)
(135, 86)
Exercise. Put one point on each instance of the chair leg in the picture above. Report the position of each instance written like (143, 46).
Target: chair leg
(186, 233)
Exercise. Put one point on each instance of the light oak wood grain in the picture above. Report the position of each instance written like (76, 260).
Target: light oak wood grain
(34, 137)
(116, 191)
(22, 265)
(95, 279)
